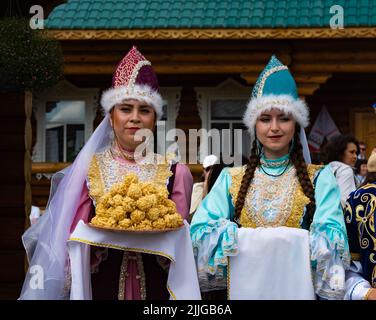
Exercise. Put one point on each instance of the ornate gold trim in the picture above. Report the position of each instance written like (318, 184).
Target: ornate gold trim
(171, 292)
(206, 34)
(138, 250)
(100, 162)
(123, 276)
(115, 246)
(299, 202)
(141, 275)
(355, 256)
(366, 296)
(96, 185)
(266, 76)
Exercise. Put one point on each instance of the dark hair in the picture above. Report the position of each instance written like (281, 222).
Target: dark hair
(297, 159)
(214, 173)
(370, 178)
(358, 165)
(337, 146)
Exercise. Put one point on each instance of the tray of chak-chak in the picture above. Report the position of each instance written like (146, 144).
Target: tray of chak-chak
(149, 231)
(136, 207)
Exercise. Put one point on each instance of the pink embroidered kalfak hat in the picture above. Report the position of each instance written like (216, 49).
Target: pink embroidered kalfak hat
(134, 78)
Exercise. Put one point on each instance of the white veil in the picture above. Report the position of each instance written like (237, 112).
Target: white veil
(46, 241)
(304, 143)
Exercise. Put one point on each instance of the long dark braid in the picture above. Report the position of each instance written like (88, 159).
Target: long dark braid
(301, 171)
(253, 162)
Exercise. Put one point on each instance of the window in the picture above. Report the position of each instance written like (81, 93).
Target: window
(64, 130)
(65, 116)
(221, 108)
(227, 114)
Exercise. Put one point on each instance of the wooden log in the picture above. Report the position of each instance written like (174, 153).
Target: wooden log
(221, 67)
(10, 163)
(12, 266)
(12, 142)
(11, 229)
(48, 167)
(342, 55)
(217, 68)
(187, 46)
(14, 212)
(169, 57)
(251, 78)
(10, 106)
(312, 78)
(10, 290)
(357, 67)
(12, 195)
(44, 182)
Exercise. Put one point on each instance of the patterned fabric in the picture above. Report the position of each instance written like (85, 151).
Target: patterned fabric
(275, 88)
(134, 78)
(274, 66)
(360, 213)
(104, 172)
(214, 235)
(141, 275)
(132, 68)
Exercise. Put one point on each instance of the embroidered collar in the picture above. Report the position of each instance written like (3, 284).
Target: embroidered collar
(275, 163)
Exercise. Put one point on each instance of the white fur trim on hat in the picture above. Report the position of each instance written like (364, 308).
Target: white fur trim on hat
(143, 93)
(286, 103)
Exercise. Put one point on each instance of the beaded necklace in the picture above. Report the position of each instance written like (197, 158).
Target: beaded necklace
(275, 175)
(119, 151)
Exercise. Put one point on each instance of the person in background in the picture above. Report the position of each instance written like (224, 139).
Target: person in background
(341, 153)
(212, 167)
(211, 170)
(360, 214)
(360, 172)
(362, 151)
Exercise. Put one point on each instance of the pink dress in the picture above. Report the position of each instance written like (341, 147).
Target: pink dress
(132, 276)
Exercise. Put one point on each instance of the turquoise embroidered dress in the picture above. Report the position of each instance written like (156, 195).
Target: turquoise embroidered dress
(272, 201)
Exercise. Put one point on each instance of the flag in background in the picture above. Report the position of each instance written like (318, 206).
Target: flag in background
(324, 127)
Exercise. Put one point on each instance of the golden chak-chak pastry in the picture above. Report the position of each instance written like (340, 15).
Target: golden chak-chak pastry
(135, 205)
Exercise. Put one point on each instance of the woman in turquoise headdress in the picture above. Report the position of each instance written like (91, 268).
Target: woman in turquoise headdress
(274, 228)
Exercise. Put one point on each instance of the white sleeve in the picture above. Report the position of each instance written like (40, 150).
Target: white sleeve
(356, 286)
(346, 182)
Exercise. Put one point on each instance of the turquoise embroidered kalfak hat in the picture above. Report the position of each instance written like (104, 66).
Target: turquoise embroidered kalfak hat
(275, 88)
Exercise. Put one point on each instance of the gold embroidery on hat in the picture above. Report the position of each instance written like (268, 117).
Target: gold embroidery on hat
(135, 72)
(265, 76)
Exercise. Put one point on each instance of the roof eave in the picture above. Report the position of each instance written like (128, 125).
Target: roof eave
(206, 34)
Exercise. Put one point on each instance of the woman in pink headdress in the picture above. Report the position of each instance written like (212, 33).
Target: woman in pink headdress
(81, 262)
